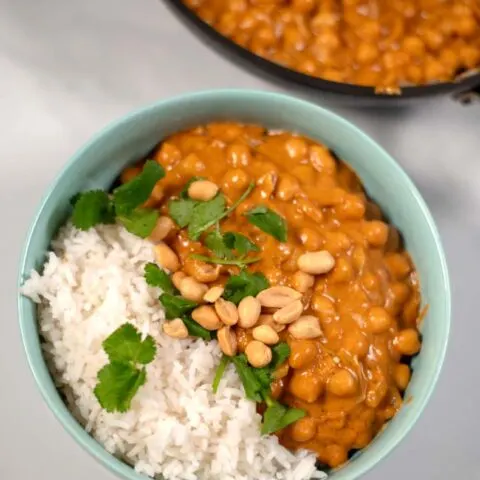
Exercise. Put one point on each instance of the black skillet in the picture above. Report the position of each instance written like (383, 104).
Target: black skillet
(464, 89)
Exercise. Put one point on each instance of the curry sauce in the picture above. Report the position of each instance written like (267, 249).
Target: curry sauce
(350, 379)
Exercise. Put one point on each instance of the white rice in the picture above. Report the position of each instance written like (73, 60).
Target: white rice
(91, 284)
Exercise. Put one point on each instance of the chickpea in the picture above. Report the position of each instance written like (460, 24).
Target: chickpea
(302, 281)
(238, 155)
(356, 343)
(303, 6)
(323, 306)
(192, 165)
(168, 155)
(401, 375)
(335, 455)
(336, 242)
(379, 320)
(236, 179)
(287, 187)
(466, 26)
(407, 342)
(310, 238)
(414, 46)
(352, 208)
(343, 271)
(303, 353)
(366, 53)
(304, 429)
(398, 265)
(376, 232)
(296, 148)
(322, 160)
(307, 386)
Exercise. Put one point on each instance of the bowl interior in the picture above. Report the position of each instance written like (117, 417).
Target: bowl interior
(102, 159)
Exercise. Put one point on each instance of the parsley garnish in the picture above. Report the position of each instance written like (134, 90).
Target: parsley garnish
(96, 206)
(268, 221)
(200, 216)
(119, 380)
(243, 285)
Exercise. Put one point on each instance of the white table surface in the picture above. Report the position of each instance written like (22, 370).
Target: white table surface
(69, 67)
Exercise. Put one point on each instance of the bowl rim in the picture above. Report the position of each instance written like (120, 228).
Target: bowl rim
(39, 369)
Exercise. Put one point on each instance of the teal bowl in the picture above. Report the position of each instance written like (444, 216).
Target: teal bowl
(98, 163)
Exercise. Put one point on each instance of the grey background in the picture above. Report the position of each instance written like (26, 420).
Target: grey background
(69, 67)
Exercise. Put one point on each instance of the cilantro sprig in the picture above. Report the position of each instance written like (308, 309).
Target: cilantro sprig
(120, 379)
(174, 305)
(257, 383)
(125, 204)
(269, 221)
(199, 215)
(230, 248)
(245, 284)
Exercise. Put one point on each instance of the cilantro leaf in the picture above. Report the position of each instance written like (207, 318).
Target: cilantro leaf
(243, 285)
(219, 372)
(118, 382)
(176, 306)
(91, 208)
(238, 262)
(280, 352)
(268, 221)
(140, 221)
(125, 345)
(278, 416)
(251, 385)
(156, 277)
(205, 214)
(181, 211)
(215, 242)
(137, 191)
(195, 329)
(200, 216)
(240, 243)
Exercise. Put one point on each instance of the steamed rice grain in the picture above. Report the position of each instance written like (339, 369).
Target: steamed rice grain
(93, 283)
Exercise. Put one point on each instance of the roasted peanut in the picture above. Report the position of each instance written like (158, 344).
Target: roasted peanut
(281, 371)
(207, 318)
(201, 271)
(305, 327)
(177, 278)
(265, 334)
(302, 281)
(163, 227)
(289, 313)
(278, 297)
(316, 263)
(166, 257)
(227, 311)
(175, 328)
(268, 320)
(202, 190)
(192, 290)
(213, 294)
(248, 312)
(258, 354)
(227, 341)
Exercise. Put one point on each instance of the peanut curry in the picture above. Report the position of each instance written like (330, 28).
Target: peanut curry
(336, 285)
(382, 43)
